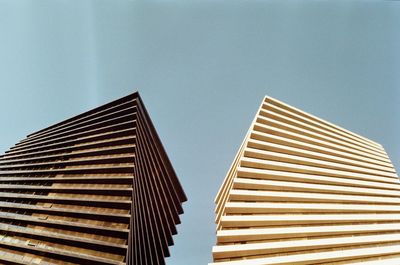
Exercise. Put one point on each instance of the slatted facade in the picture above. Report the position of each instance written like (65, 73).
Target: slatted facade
(304, 191)
(95, 189)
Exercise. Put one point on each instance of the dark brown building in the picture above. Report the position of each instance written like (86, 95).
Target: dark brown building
(94, 189)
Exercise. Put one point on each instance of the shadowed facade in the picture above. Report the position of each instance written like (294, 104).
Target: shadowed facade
(304, 191)
(94, 189)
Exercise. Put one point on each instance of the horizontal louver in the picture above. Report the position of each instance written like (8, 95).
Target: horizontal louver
(304, 191)
(95, 189)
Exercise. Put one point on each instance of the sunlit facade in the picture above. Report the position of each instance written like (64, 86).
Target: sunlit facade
(304, 191)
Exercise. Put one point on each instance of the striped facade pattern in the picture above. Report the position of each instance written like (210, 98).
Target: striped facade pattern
(95, 189)
(304, 191)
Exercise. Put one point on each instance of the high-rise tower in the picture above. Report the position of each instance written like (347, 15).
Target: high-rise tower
(94, 189)
(304, 191)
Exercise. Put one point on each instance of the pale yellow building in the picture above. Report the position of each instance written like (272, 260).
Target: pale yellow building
(304, 191)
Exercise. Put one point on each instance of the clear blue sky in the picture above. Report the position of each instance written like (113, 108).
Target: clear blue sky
(202, 68)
